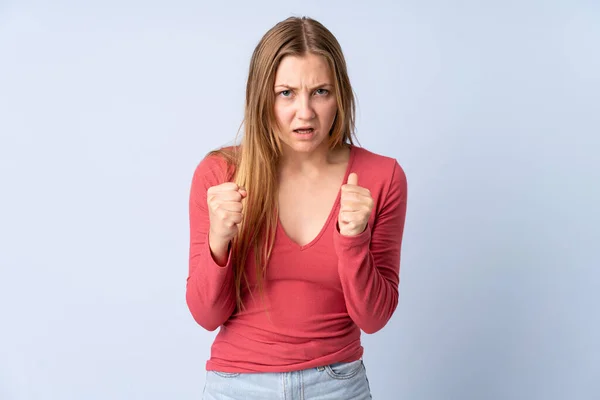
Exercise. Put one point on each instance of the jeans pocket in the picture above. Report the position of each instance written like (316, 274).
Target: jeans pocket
(344, 370)
(226, 374)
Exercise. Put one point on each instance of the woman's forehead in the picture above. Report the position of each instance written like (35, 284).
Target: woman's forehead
(309, 70)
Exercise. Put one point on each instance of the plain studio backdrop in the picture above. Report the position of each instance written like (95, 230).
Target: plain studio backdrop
(491, 107)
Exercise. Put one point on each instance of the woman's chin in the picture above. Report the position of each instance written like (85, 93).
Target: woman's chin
(305, 144)
(304, 147)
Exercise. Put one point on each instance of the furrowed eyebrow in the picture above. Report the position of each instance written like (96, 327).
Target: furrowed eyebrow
(313, 88)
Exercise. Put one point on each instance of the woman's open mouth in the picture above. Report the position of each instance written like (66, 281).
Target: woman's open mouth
(304, 131)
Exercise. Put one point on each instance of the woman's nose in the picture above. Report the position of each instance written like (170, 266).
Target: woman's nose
(305, 109)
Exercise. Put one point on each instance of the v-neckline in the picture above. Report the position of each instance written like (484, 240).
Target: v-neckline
(332, 212)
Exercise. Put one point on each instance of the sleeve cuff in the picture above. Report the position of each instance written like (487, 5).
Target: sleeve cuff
(211, 258)
(347, 243)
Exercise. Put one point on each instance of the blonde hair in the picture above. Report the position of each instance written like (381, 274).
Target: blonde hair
(255, 161)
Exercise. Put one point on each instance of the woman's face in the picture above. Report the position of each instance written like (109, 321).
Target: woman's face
(305, 102)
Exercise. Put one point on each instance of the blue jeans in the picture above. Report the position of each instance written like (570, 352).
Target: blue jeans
(339, 381)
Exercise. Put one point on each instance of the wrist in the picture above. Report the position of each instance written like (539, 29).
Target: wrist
(219, 249)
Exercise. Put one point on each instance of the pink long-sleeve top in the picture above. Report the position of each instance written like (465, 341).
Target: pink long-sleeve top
(317, 297)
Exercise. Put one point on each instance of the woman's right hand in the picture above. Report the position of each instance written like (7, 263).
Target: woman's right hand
(225, 214)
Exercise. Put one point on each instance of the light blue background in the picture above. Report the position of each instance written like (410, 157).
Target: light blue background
(491, 107)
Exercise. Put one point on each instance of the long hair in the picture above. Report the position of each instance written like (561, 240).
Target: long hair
(255, 160)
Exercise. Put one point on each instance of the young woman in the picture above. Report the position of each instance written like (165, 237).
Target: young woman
(295, 234)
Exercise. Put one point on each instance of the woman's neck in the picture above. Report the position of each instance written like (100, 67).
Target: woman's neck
(312, 164)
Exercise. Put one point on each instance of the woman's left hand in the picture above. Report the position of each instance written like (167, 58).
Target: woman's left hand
(356, 205)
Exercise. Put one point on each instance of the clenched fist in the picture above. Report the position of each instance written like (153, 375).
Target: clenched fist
(225, 214)
(356, 205)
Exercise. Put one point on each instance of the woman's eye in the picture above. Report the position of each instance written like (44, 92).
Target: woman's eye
(322, 91)
(285, 93)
